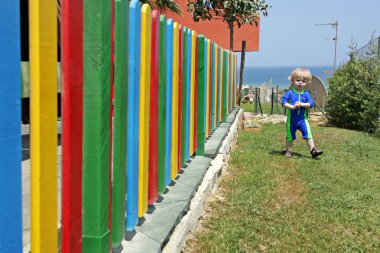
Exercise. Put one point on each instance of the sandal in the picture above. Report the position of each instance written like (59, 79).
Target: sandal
(288, 153)
(315, 152)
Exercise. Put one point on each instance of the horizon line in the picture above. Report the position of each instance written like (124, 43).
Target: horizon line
(294, 66)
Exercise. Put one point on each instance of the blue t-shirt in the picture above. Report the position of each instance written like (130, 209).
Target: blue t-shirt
(291, 97)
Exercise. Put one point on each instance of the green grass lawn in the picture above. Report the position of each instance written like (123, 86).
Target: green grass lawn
(269, 203)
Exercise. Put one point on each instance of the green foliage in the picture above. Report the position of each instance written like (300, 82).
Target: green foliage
(232, 12)
(163, 5)
(236, 11)
(354, 95)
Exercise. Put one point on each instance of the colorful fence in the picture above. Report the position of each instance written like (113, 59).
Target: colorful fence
(121, 149)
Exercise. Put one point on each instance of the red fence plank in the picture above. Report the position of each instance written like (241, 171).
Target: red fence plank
(72, 121)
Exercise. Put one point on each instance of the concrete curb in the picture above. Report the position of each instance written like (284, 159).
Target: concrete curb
(209, 185)
(157, 228)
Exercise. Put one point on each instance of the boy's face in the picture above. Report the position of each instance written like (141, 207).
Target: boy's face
(299, 83)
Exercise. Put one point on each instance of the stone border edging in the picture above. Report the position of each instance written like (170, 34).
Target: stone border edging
(208, 186)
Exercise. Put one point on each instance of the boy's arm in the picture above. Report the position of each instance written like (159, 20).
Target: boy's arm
(289, 106)
(285, 100)
(305, 105)
(309, 103)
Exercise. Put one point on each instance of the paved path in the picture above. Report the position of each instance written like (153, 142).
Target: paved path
(25, 131)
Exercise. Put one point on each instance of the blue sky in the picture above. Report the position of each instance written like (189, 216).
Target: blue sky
(289, 37)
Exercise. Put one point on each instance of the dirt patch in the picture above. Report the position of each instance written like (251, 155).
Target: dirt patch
(252, 119)
(285, 164)
(290, 190)
(251, 129)
(255, 120)
(319, 119)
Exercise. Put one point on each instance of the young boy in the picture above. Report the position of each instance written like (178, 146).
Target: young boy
(298, 101)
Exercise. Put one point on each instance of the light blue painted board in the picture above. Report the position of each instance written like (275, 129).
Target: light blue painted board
(213, 87)
(169, 98)
(219, 87)
(133, 114)
(189, 47)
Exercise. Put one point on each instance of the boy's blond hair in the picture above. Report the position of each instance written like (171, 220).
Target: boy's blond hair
(301, 73)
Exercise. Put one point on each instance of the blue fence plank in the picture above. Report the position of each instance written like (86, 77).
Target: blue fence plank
(133, 114)
(213, 66)
(169, 93)
(219, 95)
(10, 133)
(189, 47)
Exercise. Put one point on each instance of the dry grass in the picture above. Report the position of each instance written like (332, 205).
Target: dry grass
(290, 190)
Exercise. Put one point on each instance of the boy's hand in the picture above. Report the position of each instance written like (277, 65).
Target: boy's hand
(292, 107)
(299, 104)
(296, 106)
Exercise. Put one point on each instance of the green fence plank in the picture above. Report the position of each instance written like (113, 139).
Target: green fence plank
(120, 122)
(201, 96)
(96, 130)
(162, 107)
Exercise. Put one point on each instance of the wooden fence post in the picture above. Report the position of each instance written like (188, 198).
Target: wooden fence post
(243, 44)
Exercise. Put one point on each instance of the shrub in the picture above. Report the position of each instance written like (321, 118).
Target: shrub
(354, 95)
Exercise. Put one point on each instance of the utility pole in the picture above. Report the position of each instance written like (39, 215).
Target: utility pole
(243, 43)
(333, 24)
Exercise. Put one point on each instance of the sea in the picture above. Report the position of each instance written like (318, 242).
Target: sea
(273, 76)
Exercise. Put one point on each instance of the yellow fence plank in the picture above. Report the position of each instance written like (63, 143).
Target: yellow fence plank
(145, 65)
(192, 92)
(43, 77)
(174, 160)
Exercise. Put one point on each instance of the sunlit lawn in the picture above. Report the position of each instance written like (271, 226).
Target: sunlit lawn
(269, 203)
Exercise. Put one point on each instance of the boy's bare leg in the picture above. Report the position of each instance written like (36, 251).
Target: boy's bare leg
(289, 145)
(288, 151)
(310, 143)
(313, 150)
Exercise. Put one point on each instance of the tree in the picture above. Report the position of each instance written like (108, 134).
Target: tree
(163, 5)
(232, 12)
